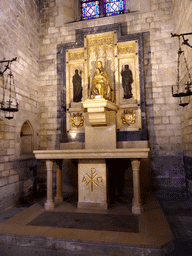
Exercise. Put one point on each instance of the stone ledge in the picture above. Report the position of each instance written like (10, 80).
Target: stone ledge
(68, 246)
(92, 153)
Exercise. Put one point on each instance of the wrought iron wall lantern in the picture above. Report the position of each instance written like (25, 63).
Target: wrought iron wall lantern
(8, 104)
(176, 89)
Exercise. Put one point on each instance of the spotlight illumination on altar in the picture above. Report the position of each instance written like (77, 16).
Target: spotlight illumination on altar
(73, 135)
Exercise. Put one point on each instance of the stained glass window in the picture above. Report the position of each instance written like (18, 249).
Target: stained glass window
(90, 9)
(114, 7)
(95, 9)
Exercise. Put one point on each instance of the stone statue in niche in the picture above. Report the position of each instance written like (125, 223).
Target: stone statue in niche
(127, 80)
(101, 85)
(77, 87)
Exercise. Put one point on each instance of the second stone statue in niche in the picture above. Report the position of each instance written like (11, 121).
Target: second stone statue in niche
(77, 87)
(101, 85)
(127, 80)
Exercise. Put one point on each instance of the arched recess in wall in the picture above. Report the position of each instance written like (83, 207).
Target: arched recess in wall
(26, 138)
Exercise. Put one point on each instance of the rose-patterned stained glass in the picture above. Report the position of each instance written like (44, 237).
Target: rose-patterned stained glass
(90, 9)
(114, 7)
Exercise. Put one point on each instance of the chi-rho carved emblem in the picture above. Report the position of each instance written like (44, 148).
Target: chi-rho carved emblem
(92, 179)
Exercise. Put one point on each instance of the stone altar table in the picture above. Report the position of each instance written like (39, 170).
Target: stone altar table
(135, 154)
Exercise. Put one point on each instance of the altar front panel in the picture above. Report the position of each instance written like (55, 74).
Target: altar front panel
(92, 182)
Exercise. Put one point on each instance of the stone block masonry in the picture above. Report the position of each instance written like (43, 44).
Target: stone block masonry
(182, 13)
(19, 37)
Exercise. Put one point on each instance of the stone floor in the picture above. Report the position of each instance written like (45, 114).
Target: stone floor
(177, 207)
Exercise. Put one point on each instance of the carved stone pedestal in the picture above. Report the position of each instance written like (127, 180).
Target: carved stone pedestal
(97, 110)
(100, 133)
(100, 124)
(92, 180)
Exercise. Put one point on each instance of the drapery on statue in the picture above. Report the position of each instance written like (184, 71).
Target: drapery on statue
(127, 80)
(77, 87)
(101, 83)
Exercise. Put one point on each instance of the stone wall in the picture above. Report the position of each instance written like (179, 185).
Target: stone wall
(155, 19)
(182, 13)
(19, 37)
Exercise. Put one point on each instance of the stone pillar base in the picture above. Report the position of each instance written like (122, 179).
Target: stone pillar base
(49, 205)
(58, 200)
(137, 209)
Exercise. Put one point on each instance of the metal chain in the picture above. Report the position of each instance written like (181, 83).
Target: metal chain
(187, 67)
(178, 63)
(4, 87)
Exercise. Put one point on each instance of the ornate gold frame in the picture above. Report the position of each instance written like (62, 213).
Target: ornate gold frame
(114, 56)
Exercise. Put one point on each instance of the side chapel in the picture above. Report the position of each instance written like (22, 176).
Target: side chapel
(95, 116)
(93, 80)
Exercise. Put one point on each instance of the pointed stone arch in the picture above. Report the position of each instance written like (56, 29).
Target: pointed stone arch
(27, 138)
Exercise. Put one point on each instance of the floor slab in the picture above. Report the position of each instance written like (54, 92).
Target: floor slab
(153, 236)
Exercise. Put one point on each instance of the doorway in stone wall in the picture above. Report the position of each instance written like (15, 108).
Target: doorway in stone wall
(27, 138)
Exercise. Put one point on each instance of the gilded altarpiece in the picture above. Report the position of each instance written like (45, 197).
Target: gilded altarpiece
(118, 59)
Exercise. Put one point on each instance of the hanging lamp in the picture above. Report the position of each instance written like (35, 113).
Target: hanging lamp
(9, 102)
(176, 92)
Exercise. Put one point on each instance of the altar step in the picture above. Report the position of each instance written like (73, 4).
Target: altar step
(146, 234)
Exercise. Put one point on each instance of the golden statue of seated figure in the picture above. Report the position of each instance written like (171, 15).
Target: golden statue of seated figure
(101, 84)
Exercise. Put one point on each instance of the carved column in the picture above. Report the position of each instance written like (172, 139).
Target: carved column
(59, 196)
(136, 207)
(49, 203)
